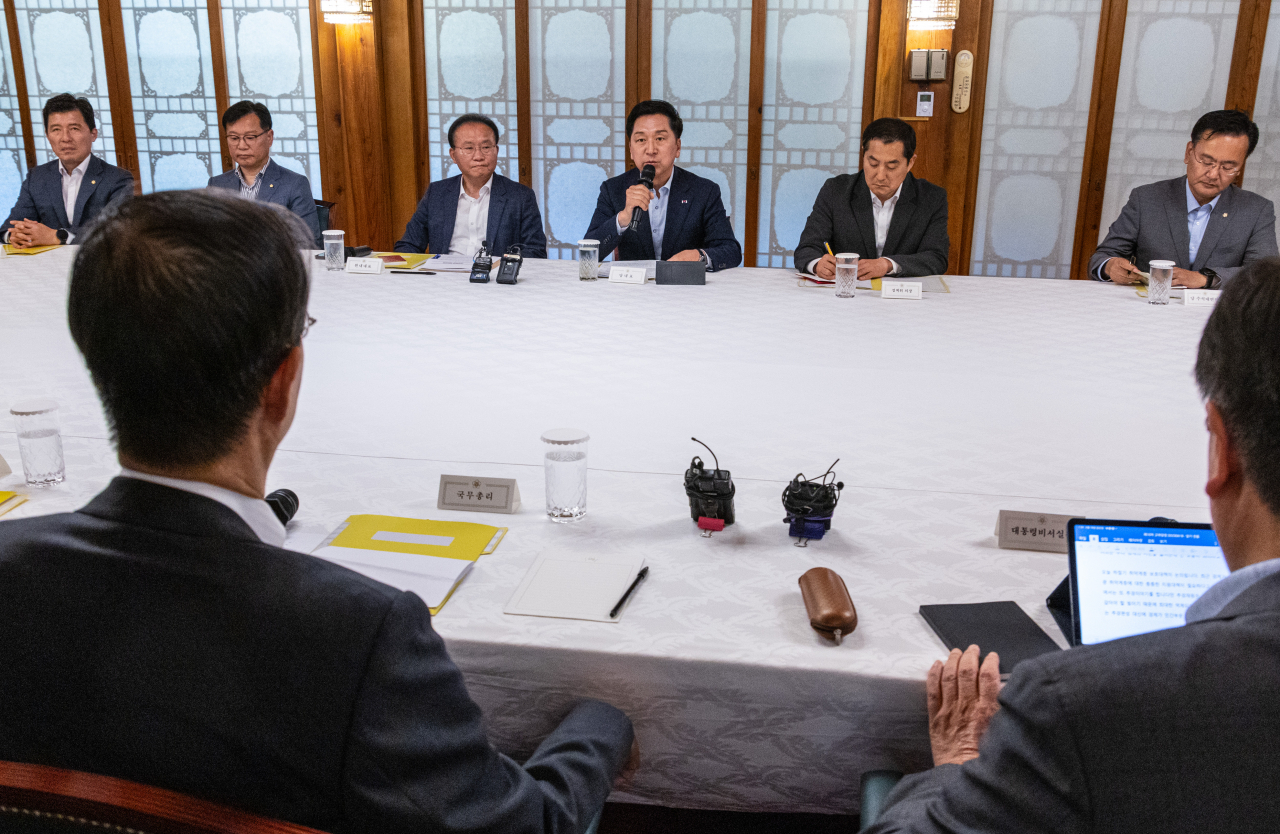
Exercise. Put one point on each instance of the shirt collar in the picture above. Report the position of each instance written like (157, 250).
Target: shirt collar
(255, 512)
(892, 201)
(1212, 602)
(82, 168)
(261, 171)
(1194, 205)
(484, 189)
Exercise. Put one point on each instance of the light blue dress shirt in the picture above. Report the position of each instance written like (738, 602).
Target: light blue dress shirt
(1197, 219)
(657, 215)
(1221, 593)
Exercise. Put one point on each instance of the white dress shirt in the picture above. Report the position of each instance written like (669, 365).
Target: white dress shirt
(255, 512)
(471, 225)
(71, 189)
(882, 216)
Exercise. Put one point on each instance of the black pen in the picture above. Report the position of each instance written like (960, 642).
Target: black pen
(644, 571)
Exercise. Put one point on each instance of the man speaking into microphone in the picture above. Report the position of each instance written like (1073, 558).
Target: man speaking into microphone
(654, 213)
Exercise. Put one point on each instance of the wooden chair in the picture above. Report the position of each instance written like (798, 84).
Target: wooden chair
(35, 799)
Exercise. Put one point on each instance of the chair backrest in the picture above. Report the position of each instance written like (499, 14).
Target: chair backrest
(323, 209)
(35, 799)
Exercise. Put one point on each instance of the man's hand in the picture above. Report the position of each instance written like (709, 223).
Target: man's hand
(1120, 271)
(1187, 278)
(873, 268)
(629, 769)
(825, 268)
(637, 195)
(686, 255)
(962, 700)
(26, 233)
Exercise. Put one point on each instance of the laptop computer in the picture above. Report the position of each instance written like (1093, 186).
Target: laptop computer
(1134, 577)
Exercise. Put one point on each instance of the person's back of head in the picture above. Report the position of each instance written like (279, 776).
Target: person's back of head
(184, 304)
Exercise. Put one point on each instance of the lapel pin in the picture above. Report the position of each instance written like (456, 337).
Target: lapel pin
(684, 202)
(271, 185)
(95, 182)
(1224, 214)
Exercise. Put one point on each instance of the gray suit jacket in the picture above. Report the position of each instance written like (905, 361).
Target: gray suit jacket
(283, 188)
(1153, 226)
(41, 196)
(1174, 731)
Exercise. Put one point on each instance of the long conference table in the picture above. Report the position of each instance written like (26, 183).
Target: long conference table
(1006, 393)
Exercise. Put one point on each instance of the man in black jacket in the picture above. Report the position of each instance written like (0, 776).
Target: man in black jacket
(161, 634)
(896, 223)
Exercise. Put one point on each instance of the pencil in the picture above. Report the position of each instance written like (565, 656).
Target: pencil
(829, 252)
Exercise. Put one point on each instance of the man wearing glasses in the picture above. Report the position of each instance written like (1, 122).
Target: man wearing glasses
(256, 176)
(458, 214)
(1207, 226)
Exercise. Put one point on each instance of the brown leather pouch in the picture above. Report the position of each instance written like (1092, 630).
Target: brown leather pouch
(826, 599)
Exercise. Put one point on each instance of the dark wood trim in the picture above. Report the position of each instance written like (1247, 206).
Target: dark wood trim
(20, 85)
(398, 70)
(418, 87)
(644, 51)
(333, 147)
(118, 91)
(977, 109)
(524, 95)
(633, 24)
(218, 50)
(1246, 56)
(1097, 148)
(755, 128)
(869, 74)
(891, 38)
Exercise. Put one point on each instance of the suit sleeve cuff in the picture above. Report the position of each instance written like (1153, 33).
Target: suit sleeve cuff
(618, 226)
(812, 264)
(1102, 271)
(894, 269)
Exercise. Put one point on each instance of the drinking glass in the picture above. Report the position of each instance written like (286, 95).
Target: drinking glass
(334, 249)
(39, 441)
(846, 274)
(1161, 281)
(588, 259)
(565, 464)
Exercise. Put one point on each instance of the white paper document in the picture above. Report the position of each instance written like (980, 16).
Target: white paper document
(430, 577)
(574, 588)
(448, 263)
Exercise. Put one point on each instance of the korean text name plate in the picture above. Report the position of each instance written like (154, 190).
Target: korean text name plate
(478, 495)
(1200, 298)
(1033, 531)
(627, 275)
(901, 289)
(364, 266)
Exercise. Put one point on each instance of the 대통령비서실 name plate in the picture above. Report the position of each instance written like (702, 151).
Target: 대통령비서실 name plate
(1032, 531)
(901, 289)
(478, 495)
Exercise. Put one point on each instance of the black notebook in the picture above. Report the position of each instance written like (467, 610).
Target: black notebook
(1001, 627)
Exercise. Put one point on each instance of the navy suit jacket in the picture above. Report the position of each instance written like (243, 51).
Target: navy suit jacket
(283, 188)
(41, 196)
(152, 636)
(513, 218)
(695, 220)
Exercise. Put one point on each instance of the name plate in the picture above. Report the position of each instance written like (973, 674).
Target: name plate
(901, 289)
(627, 275)
(1032, 531)
(478, 495)
(364, 266)
(1200, 298)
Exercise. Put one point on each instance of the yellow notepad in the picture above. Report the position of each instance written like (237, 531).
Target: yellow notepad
(10, 249)
(9, 500)
(429, 558)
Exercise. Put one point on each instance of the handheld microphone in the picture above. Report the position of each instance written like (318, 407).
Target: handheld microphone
(284, 503)
(646, 179)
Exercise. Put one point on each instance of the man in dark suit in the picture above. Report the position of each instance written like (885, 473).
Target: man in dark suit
(161, 634)
(1208, 227)
(60, 199)
(256, 176)
(1175, 730)
(457, 215)
(682, 218)
(895, 223)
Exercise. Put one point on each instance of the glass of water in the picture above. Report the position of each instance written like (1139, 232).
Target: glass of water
(39, 441)
(1161, 281)
(846, 274)
(588, 259)
(565, 463)
(334, 250)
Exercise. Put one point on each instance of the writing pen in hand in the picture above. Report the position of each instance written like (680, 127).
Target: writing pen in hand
(644, 571)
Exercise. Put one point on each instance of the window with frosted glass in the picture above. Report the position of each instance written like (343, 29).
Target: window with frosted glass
(13, 160)
(471, 68)
(1164, 87)
(1262, 173)
(813, 68)
(62, 53)
(577, 60)
(175, 113)
(702, 64)
(268, 48)
(1034, 128)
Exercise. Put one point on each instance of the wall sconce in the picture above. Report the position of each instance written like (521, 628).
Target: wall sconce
(348, 11)
(933, 14)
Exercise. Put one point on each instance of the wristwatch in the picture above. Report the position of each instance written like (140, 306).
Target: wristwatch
(1213, 281)
(63, 234)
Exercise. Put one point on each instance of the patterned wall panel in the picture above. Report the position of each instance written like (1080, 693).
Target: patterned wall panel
(1262, 173)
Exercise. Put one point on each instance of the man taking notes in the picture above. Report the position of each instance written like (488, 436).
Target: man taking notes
(458, 214)
(1202, 222)
(895, 223)
(256, 176)
(60, 199)
(682, 218)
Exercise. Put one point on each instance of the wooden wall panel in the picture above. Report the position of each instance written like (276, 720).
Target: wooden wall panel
(121, 96)
(402, 92)
(20, 84)
(524, 95)
(218, 48)
(1246, 58)
(755, 139)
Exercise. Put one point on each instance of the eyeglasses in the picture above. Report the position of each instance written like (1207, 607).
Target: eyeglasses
(1228, 168)
(248, 138)
(307, 329)
(476, 150)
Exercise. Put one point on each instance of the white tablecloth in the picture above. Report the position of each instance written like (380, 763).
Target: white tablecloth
(1054, 396)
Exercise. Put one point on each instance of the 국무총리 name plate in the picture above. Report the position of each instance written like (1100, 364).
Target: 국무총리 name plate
(478, 495)
(1033, 531)
(901, 289)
